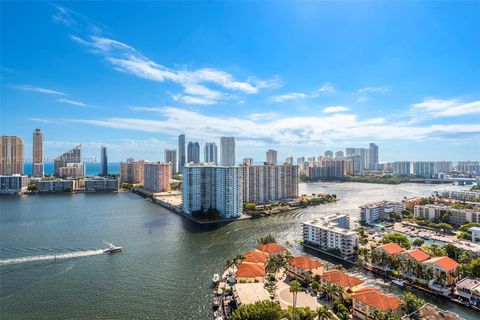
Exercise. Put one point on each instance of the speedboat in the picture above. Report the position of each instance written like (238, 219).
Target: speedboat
(216, 278)
(112, 249)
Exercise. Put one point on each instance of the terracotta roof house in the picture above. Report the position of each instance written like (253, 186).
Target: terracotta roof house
(340, 279)
(391, 248)
(247, 272)
(256, 257)
(447, 265)
(367, 300)
(302, 267)
(271, 249)
(417, 255)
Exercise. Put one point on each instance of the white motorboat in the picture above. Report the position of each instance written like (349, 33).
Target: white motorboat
(216, 278)
(112, 249)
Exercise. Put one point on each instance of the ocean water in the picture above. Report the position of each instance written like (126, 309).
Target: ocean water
(51, 266)
(92, 168)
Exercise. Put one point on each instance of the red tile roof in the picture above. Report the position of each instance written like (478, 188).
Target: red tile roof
(376, 299)
(418, 255)
(447, 263)
(246, 270)
(255, 257)
(391, 248)
(304, 263)
(340, 279)
(271, 248)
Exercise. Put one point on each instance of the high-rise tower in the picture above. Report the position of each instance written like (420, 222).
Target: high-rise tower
(37, 154)
(227, 151)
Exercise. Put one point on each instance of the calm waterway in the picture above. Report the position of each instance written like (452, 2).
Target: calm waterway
(167, 264)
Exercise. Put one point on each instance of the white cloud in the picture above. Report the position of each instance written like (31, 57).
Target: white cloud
(44, 121)
(38, 89)
(289, 96)
(125, 58)
(436, 108)
(72, 102)
(147, 109)
(365, 90)
(335, 109)
(287, 130)
(324, 89)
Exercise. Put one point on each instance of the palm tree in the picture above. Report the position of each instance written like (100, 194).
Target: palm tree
(324, 313)
(329, 289)
(429, 273)
(228, 263)
(294, 289)
(340, 292)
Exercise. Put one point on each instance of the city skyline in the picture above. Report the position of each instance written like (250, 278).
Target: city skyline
(338, 93)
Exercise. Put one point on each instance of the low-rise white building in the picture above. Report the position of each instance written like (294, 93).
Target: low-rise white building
(56, 185)
(464, 195)
(475, 234)
(469, 289)
(330, 233)
(382, 210)
(13, 184)
(100, 184)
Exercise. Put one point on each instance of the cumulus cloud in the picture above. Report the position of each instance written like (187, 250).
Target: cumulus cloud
(286, 130)
(335, 109)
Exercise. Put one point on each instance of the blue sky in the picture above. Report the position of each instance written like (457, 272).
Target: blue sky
(300, 77)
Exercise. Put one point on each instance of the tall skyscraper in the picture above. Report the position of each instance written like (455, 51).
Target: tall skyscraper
(181, 152)
(104, 160)
(289, 160)
(339, 154)
(37, 154)
(248, 161)
(210, 152)
(328, 154)
(71, 156)
(271, 157)
(373, 159)
(11, 155)
(132, 171)
(227, 151)
(171, 157)
(193, 152)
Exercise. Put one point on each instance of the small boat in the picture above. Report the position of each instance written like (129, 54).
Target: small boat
(398, 282)
(112, 249)
(216, 278)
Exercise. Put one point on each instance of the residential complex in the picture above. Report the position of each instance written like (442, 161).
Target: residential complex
(463, 195)
(157, 177)
(271, 156)
(424, 169)
(13, 184)
(101, 184)
(72, 170)
(57, 185)
(132, 171)
(267, 183)
(11, 155)
(207, 187)
(373, 157)
(72, 156)
(37, 154)
(227, 151)
(330, 169)
(403, 168)
(210, 153)
(468, 167)
(170, 156)
(193, 152)
(455, 216)
(332, 233)
(372, 212)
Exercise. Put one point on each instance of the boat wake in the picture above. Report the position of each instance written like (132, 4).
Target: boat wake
(70, 255)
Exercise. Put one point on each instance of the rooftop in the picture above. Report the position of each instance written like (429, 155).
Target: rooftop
(446, 263)
(246, 270)
(249, 293)
(474, 229)
(469, 283)
(376, 299)
(391, 248)
(418, 255)
(340, 279)
(380, 204)
(271, 248)
(304, 263)
(255, 257)
(431, 312)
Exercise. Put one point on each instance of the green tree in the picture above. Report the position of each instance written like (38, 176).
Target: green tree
(411, 302)
(295, 289)
(299, 314)
(418, 242)
(249, 206)
(268, 310)
(315, 286)
(397, 238)
(324, 313)
(266, 240)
